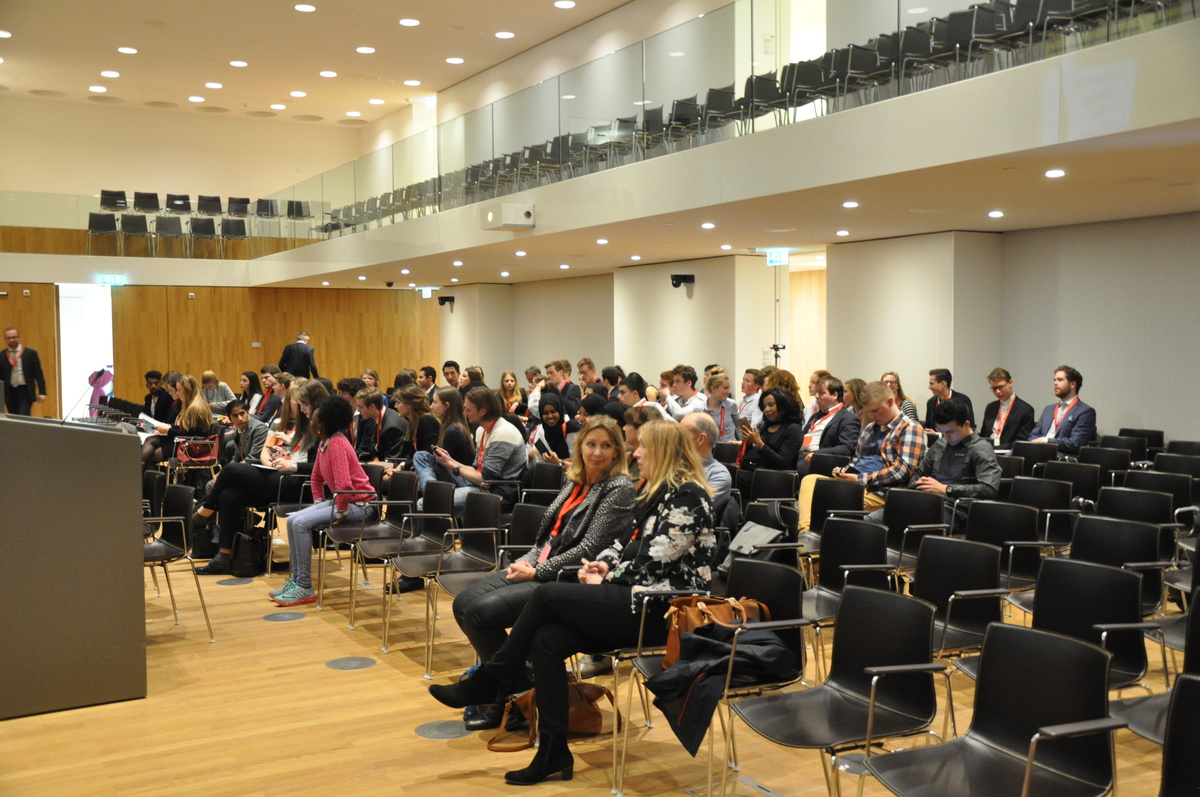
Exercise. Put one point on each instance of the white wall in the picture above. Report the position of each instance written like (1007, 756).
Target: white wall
(1118, 302)
(477, 329)
(68, 148)
(571, 318)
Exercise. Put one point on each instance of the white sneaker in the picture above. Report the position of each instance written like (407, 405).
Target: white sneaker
(591, 666)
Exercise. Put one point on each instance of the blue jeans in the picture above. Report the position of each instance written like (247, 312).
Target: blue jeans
(428, 470)
(300, 526)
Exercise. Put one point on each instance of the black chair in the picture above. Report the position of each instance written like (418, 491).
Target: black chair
(237, 207)
(1033, 453)
(1052, 498)
(1181, 747)
(104, 224)
(266, 210)
(113, 201)
(208, 205)
(170, 227)
(1113, 462)
(910, 515)
(880, 683)
(172, 541)
(1179, 463)
(522, 531)
(179, 203)
(726, 453)
(823, 464)
(1185, 447)
(204, 228)
(774, 485)
(1155, 439)
(1084, 477)
(1010, 468)
(685, 122)
(134, 225)
(382, 539)
(145, 202)
(1014, 529)
(962, 579)
(1146, 506)
(1040, 725)
(232, 230)
(545, 483)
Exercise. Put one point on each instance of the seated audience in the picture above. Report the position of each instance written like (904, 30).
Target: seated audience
(592, 406)
(832, 429)
(157, 403)
(1068, 422)
(683, 397)
(593, 509)
(423, 427)
(939, 385)
(587, 373)
(384, 429)
(450, 372)
(273, 394)
(851, 390)
(703, 431)
(815, 377)
(427, 381)
(775, 442)
(216, 393)
(514, 399)
(634, 419)
(370, 378)
(632, 393)
(752, 382)
(612, 376)
(558, 373)
(249, 433)
(251, 391)
(348, 388)
(500, 459)
(669, 544)
(454, 438)
(720, 407)
(784, 380)
(192, 419)
(1008, 418)
(553, 439)
(892, 380)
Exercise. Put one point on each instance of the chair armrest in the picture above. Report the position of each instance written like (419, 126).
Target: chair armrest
(774, 625)
(164, 519)
(489, 483)
(426, 515)
(1027, 544)
(857, 568)
(1062, 511)
(892, 669)
(1146, 625)
(928, 527)
(1083, 728)
(778, 546)
(968, 594)
(848, 513)
(1147, 565)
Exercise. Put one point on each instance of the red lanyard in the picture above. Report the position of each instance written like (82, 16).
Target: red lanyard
(11, 359)
(482, 445)
(826, 418)
(574, 500)
(1058, 419)
(1001, 419)
(746, 402)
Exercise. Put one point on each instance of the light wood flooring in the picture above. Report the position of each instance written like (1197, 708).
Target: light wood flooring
(259, 713)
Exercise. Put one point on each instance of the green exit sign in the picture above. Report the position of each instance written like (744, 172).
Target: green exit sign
(779, 257)
(112, 279)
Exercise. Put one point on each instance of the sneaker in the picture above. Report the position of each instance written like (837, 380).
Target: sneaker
(273, 594)
(591, 666)
(296, 595)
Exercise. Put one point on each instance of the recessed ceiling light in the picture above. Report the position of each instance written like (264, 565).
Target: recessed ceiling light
(996, 214)
(843, 233)
(98, 89)
(412, 82)
(456, 263)
(676, 54)
(568, 96)
(195, 99)
(726, 247)
(708, 225)
(1052, 173)
(412, 284)
(850, 204)
(454, 279)
(328, 73)
(5, 34)
(127, 50)
(642, 102)
(602, 241)
(353, 113)
(404, 271)
(1, 60)
(109, 73)
(564, 3)
(918, 10)
(503, 273)
(214, 86)
(410, 23)
(238, 64)
(454, 60)
(299, 94)
(565, 266)
(520, 253)
(364, 50)
(305, 8)
(325, 283)
(279, 106)
(361, 277)
(504, 34)
(376, 101)
(635, 257)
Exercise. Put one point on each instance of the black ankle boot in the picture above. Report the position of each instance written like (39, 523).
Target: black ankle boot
(480, 688)
(553, 758)
(219, 565)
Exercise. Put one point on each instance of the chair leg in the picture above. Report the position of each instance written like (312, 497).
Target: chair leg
(353, 592)
(431, 590)
(321, 571)
(203, 605)
(158, 592)
(171, 592)
(387, 604)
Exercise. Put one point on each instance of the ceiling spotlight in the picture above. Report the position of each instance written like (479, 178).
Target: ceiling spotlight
(97, 89)
(127, 50)
(503, 273)
(279, 106)
(520, 253)
(454, 279)
(6, 35)
(676, 54)
(410, 23)
(194, 99)
(850, 204)
(1052, 173)
(364, 50)
(376, 102)
(109, 73)
(456, 263)
(412, 284)
(353, 113)
(328, 73)
(708, 225)
(404, 271)
(504, 34)
(843, 233)
(996, 214)
(564, 3)
(454, 60)
(568, 96)
(299, 94)
(326, 282)
(918, 10)
(305, 8)
(820, 258)
(565, 266)
(412, 82)
(238, 64)
(726, 247)
(602, 241)
(361, 277)
(214, 86)
(635, 257)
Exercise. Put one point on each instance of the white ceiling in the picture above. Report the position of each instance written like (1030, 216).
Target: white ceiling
(59, 48)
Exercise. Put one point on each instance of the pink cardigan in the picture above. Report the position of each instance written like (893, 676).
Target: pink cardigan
(338, 467)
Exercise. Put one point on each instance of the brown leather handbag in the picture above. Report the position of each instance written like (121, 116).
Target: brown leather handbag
(691, 612)
(586, 718)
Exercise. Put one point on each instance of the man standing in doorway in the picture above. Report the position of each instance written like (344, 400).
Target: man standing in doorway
(21, 372)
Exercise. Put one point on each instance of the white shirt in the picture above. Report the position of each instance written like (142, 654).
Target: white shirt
(17, 379)
(677, 409)
(749, 408)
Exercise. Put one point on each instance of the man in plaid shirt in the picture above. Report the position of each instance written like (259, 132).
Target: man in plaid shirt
(890, 447)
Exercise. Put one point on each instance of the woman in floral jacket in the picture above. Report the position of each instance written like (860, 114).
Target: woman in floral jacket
(670, 545)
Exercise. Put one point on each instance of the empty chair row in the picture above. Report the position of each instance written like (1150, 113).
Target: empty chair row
(133, 225)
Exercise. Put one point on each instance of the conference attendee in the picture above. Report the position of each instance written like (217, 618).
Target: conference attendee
(591, 511)
(668, 545)
(1068, 422)
(784, 380)
(752, 383)
(1008, 418)
(683, 397)
(892, 380)
(558, 373)
(533, 375)
(813, 378)
(194, 419)
(553, 439)
(338, 472)
(631, 392)
(280, 475)
(298, 358)
(720, 407)
(775, 442)
(249, 433)
(348, 388)
(592, 406)
(423, 428)
(427, 380)
(959, 464)
(499, 460)
(832, 429)
(216, 393)
(612, 376)
(890, 447)
(251, 391)
(273, 394)
(407, 376)
(386, 432)
(634, 418)
(704, 433)
(711, 369)
(157, 404)
(450, 371)
(370, 378)
(469, 378)
(21, 372)
(454, 437)
(514, 399)
(852, 389)
(587, 372)
(939, 385)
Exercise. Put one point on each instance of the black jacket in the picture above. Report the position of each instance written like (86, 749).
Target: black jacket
(298, 360)
(1017, 425)
(31, 365)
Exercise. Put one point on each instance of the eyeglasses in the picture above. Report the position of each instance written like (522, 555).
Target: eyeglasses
(998, 388)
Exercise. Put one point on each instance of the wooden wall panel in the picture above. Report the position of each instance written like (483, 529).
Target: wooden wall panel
(36, 317)
(807, 314)
(212, 331)
(139, 323)
(56, 241)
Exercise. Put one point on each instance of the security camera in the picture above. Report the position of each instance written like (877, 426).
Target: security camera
(682, 279)
(445, 300)
(390, 284)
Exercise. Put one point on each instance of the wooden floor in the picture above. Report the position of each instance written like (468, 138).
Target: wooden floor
(259, 713)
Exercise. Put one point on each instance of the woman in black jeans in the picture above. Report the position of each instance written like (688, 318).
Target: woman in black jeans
(668, 546)
(591, 511)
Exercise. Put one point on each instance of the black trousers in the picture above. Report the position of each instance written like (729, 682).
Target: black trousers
(17, 400)
(488, 608)
(563, 619)
(238, 487)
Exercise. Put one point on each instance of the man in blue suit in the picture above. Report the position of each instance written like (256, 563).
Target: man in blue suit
(1068, 422)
